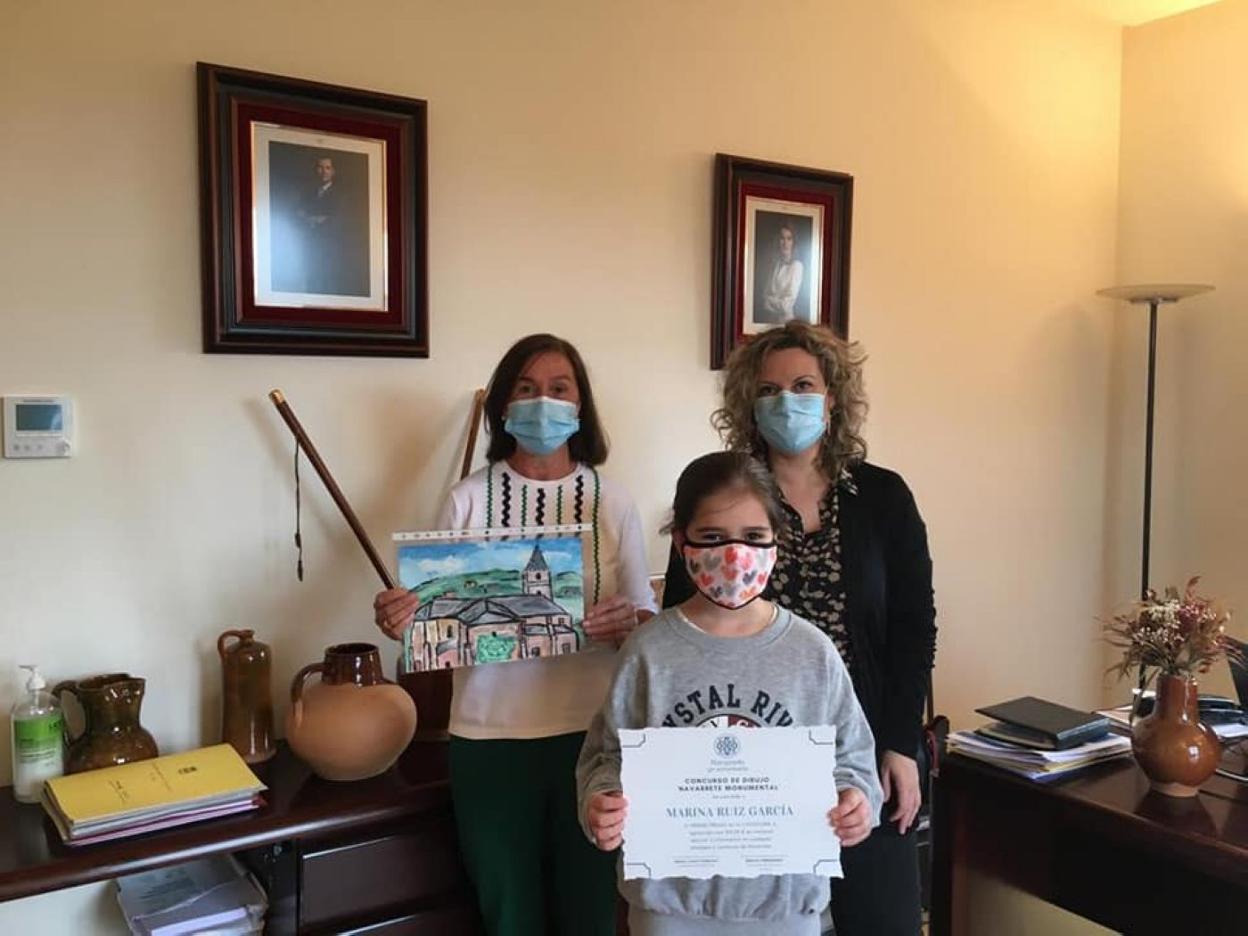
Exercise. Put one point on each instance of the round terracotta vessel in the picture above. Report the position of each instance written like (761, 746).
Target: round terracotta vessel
(1176, 752)
(353, 723)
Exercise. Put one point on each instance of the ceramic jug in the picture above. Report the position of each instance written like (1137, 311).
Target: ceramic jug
(246, 698)
(353, 722)
(111, 734)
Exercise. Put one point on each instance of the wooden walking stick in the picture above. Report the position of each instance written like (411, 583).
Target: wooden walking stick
(474, 425)
(305, 443)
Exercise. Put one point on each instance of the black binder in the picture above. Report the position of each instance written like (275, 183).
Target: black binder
(1059, 726)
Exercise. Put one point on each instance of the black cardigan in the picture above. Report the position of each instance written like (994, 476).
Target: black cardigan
(889, 610)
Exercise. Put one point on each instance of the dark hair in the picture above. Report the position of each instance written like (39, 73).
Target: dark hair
(588, 444)
(709, 474)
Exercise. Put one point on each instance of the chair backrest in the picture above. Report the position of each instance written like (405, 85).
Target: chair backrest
(1239, 672)
(932, 746)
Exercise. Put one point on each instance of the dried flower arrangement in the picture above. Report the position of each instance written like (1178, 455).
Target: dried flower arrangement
(1175, 635)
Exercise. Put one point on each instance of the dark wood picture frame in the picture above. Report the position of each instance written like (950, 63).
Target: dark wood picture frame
(287, 270)
(820, 204)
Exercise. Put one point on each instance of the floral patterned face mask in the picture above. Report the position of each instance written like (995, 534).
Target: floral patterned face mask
(730, 573)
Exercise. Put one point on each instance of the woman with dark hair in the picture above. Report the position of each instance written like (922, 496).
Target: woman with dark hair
(853, 560)
(781, 288)
(517, 727)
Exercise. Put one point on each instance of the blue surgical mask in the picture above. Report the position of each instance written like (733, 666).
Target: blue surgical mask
(791, 422)
(540, 425)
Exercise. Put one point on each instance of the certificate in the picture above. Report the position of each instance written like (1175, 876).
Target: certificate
(736, 802)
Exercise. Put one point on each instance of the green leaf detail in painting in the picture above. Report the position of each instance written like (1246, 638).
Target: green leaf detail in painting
(494, 649)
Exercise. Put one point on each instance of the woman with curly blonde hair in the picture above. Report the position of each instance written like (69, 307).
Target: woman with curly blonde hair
(853, 560)
(839, 364)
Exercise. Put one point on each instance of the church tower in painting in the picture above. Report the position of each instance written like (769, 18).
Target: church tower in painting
(536, 576)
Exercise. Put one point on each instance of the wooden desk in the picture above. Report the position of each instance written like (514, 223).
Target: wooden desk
(1098, 844)
(377, 854)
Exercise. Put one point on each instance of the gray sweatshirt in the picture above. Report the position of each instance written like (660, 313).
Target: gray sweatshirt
(671, 673)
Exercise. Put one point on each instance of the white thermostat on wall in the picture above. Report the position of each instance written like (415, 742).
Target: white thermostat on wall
(38, 427)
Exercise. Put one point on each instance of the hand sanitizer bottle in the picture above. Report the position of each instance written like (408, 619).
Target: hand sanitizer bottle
(38, 751)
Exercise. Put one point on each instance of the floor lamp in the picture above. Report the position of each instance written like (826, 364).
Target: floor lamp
(1153, 295)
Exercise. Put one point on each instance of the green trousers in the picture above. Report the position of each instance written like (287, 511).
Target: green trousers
(515, 808)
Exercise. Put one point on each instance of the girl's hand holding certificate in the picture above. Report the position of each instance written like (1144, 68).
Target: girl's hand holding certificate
(850, 818)
(606, 814)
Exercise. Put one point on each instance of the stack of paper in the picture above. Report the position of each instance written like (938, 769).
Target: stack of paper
(115, 802)
(1120, 719)
(1037, 764)
(211, 895)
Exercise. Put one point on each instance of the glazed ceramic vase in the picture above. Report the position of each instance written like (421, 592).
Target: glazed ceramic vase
(1176, 752)
(112, 734)
(246, 697)
(352, 723)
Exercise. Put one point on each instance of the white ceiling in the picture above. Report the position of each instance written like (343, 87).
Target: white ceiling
(1135, 12)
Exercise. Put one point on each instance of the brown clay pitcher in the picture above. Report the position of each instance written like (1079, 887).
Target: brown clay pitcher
(352, 723)
(112, 733)
(1176, 752)
(246, 697)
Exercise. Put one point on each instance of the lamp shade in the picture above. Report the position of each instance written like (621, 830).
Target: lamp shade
(1155, 292)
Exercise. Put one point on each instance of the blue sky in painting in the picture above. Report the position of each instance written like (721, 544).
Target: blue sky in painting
(421, 561)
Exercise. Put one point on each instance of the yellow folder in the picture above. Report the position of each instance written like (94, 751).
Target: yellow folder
(203, 776)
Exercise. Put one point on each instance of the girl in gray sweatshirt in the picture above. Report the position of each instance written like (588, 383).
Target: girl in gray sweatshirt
(728, 657)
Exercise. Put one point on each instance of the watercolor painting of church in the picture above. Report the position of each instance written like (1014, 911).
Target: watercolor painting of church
(492, 601)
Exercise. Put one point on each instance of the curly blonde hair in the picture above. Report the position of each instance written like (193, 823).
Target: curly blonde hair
(840, 362)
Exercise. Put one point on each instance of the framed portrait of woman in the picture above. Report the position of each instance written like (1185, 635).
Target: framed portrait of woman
(313, 203)
(781, 249)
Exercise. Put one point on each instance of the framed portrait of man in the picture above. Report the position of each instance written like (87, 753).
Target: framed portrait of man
(314, 217)
(319, 204)
(781, 250)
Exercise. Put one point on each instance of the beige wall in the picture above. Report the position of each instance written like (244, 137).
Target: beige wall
(1184, 218)
(570, 159)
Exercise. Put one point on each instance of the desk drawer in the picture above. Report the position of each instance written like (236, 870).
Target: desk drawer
(362, 875)
(455, 921)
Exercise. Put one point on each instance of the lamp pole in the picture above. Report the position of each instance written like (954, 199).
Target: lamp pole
(1153, 303)
(1152, 295)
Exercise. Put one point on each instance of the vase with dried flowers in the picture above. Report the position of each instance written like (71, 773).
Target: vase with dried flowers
(1174, 638)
